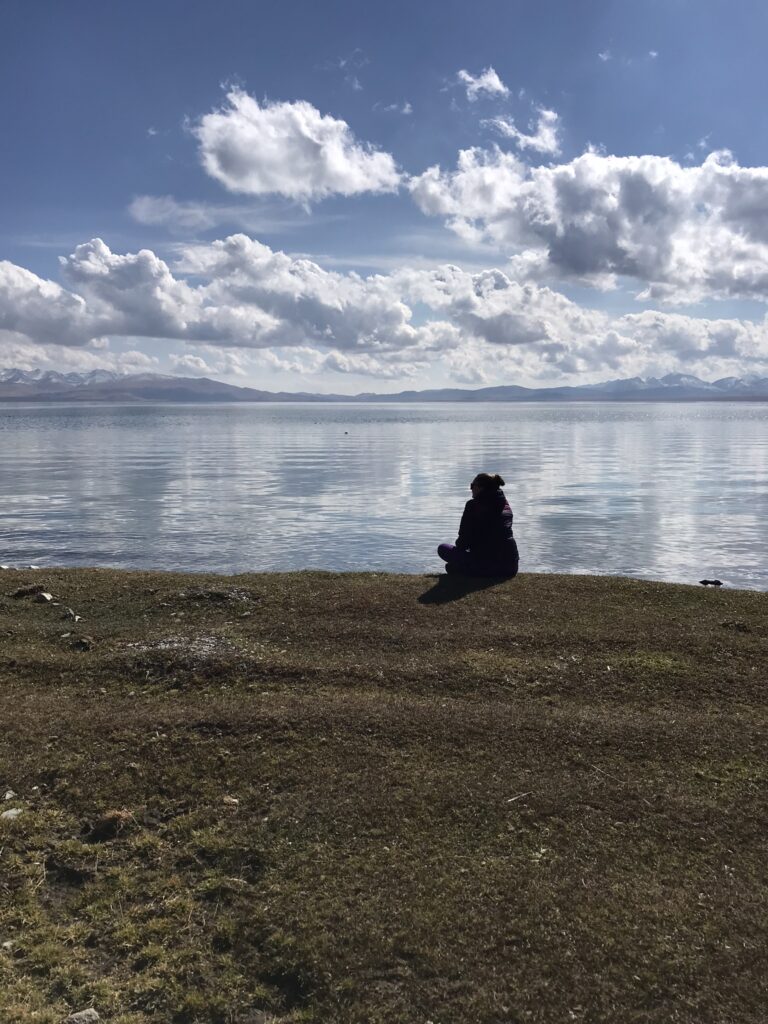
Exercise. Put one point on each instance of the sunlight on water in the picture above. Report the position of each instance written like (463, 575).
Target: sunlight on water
(674, 492)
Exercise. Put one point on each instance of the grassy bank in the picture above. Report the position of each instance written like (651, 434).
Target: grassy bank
(360, 798)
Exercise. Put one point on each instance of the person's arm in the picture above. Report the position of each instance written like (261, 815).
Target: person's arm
(463, 541)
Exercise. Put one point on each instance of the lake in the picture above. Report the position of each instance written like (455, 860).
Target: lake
(651, 490)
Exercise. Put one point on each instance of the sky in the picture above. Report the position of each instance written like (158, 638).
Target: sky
(352, 197)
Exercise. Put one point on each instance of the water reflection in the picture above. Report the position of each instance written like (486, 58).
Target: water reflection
(659, 491)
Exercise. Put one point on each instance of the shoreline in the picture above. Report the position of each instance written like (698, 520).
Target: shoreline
(438, 572)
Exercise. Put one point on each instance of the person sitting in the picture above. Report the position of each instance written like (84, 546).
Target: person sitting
(485, 545)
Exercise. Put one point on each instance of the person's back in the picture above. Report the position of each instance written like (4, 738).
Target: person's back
(486, 545)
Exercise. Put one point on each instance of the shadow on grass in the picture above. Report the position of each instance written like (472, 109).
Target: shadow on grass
(453, 588)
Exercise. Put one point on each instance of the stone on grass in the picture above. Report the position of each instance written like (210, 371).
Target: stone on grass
(10, 815)
(44, 597)
(83, 643)
(9, 794)
(88, 1016)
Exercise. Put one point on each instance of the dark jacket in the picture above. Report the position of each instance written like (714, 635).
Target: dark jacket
(486, 526)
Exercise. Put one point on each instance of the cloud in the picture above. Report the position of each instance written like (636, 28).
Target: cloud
(398, 108)
(43, 310)
(132, 294)
(543, 139)
(235, 299)
(17, 351)
(355, 59)
(169, 212)
(192, 364)
(301, 303)
(487, 82)
(503, 323)
(183, 217)
(685, 233)
(370, 366)
(289, 149)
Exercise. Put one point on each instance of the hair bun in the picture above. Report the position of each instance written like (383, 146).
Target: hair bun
(488, 480)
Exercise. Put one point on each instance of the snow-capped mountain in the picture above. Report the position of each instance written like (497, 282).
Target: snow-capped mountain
(108, 386)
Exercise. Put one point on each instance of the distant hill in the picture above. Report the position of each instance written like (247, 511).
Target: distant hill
(106, 386)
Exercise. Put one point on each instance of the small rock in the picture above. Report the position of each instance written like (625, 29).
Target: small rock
(83, 643)
(9, 794)
(12, 814)
(231, 801)
(88, 1016)
(44, 597)
(33, 566)
(6, 945)
(70, 614)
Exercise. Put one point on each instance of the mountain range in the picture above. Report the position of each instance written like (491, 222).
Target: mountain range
(108, 386)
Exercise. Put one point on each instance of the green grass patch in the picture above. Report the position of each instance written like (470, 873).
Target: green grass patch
(314, 797)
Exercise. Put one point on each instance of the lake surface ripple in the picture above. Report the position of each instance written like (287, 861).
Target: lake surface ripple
(660, 491)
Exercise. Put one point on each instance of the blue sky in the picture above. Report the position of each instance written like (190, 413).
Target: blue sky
(280, 198)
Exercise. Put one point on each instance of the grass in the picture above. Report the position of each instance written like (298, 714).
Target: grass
(358, 798)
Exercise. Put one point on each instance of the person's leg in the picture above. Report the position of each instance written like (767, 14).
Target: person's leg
(465, 564)
(456, 560)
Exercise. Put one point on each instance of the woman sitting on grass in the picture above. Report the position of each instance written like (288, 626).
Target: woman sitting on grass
(485, 545)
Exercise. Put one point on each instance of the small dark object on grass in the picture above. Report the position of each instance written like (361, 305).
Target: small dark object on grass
(739, 627)
(711, 583)
(28, 591)
(83, 643)
(109, 826)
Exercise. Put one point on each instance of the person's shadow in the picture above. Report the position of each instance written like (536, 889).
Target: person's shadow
(452, 588)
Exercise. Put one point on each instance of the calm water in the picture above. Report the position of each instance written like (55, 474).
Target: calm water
(673, 492)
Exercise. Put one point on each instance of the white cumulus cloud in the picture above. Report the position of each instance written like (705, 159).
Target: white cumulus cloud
(487, 82)
(192, 364)
(543, 137)
(289, 149)
(43, 310)
(684, 232)
(239, 295)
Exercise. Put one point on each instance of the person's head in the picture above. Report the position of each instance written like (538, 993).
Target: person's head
(485, 482)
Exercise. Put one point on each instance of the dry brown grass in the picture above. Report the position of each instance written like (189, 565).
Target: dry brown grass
(359, 798)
